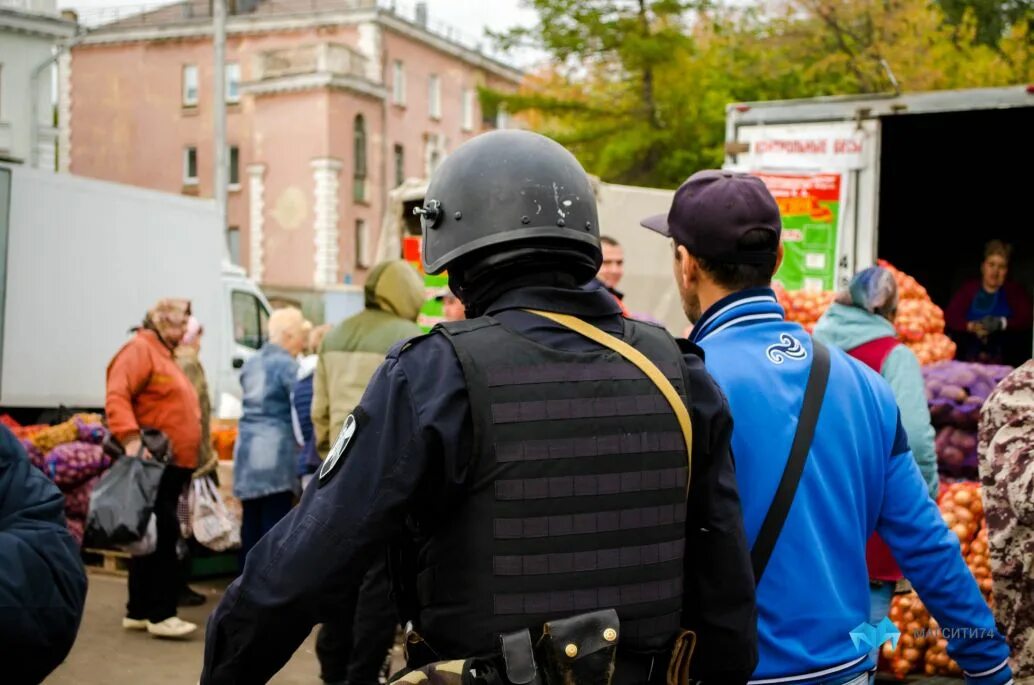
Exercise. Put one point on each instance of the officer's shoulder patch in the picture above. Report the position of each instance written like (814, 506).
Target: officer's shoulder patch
(336, 457)
(409, 344)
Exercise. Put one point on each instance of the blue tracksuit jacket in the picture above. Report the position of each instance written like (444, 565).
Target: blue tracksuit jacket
(859, 477)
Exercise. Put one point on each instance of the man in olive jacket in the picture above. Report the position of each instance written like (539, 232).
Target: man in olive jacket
(353, 649)
(356, 347)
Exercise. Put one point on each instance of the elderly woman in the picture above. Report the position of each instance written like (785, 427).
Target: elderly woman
(188, 357)
(860, 322)
(265, 456)
(146, 388)
(990, 317)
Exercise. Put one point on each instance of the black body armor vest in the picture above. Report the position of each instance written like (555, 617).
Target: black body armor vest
(576, 497)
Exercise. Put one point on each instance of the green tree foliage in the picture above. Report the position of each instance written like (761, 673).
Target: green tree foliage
(638, 90)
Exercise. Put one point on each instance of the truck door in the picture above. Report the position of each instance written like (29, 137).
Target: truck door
(250, 318)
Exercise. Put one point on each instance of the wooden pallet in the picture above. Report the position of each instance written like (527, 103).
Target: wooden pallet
(109, 561)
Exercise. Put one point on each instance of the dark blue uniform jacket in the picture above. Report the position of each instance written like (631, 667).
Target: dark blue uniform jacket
(42, 581)
(411, 451)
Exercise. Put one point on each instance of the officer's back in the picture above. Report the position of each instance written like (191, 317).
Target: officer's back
(857, 474)
(538, 476)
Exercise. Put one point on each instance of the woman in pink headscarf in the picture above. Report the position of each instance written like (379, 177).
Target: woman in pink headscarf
(187, 357)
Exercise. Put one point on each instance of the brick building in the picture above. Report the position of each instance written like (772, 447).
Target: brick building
(331, 103)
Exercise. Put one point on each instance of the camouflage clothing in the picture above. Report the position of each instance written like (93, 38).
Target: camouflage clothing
(1007, 474)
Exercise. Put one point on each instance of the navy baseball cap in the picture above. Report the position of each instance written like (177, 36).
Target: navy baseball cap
(713, 209)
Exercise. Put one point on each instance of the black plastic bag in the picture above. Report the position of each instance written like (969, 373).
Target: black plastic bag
(122, 502)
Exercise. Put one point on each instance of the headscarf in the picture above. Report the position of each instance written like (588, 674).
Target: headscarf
(167, 314)
(194, 331)
(874, 290)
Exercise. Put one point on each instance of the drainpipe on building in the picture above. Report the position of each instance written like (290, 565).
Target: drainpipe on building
(219, 80)
(384, 129)
(34, 91)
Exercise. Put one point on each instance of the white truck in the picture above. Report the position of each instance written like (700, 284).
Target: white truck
(81, 262)
(923, 179)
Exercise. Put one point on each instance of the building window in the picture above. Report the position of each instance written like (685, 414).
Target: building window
(434, 152)
(362, 244)
(190, 166)
(434, 96)
(468, 109)
(233, 244)
(235, 167)
(359, 177)
(190, 86)
(233, 82)
(400, 166)
(398, 84)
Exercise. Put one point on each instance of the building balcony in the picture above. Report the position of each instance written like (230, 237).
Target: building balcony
(320, 58)
(314, 66)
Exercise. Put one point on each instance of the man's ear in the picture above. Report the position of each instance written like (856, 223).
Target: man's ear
(687, 265)
(779, 257)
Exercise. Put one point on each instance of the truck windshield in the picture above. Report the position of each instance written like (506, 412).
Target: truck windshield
(250, 320)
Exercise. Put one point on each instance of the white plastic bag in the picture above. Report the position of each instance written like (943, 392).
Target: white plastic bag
(214, 526)
(148, 543)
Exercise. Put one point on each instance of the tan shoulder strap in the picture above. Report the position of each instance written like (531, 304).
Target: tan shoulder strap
(645, 365)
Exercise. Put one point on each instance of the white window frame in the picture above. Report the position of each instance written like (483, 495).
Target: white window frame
(362, 244)
(233, 239)
(233, 78)
(468, 109)
(434, 97)
(434, 145)
(190, 100)
(187, 179)
(398, 83)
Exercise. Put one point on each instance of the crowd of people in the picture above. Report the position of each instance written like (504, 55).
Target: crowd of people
(494, 461)
(544, 469)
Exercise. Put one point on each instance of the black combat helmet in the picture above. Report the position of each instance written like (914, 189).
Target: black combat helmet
(510, 192)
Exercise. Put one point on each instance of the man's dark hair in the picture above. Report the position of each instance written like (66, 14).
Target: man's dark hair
(607, 240)
(743, 276)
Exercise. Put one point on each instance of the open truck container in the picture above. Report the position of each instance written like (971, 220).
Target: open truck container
(922, 180)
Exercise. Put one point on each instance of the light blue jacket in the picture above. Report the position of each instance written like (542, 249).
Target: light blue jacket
(266, 453)
(848, 327)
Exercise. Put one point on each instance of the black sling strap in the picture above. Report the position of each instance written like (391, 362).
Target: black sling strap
(780, 508)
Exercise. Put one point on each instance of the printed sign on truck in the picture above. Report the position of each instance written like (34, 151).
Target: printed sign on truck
(810, 209)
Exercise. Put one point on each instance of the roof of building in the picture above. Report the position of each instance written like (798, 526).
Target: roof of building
(35, 23)
(188, 18)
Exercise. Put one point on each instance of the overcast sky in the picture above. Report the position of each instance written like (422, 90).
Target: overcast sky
(469, 17)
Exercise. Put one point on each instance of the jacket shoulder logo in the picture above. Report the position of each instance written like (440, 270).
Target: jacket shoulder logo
(340, 447)
(788, 347)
